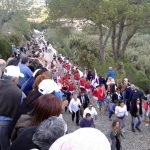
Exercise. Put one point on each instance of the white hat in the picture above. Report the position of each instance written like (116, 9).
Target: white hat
(48, 86)
(13, 71)
(95, 140)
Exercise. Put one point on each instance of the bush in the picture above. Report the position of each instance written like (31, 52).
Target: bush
(5, 48)
(137, 77)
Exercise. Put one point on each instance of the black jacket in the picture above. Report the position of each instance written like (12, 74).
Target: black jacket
(24, 140)
(116, 97)
(134, 109)
(85, 102)
(10, 99)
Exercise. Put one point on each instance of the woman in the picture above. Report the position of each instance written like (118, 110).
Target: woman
(74, 108)
(45, 106)
(136, 112)
(121, 112)
(115, 135)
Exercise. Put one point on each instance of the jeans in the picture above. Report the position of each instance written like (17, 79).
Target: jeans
(77, 116)
(4, 135)
(110, 114)
(133, 121)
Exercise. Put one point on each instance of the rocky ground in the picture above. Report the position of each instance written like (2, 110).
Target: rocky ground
(132, 141)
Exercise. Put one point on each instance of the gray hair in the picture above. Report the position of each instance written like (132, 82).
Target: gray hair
(48, 132)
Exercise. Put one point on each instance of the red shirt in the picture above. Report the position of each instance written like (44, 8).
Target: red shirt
(87, 85)
(101, 93)
(76, 76)
(82, 82)
(95, 93)
(68, 67)
(71, 87)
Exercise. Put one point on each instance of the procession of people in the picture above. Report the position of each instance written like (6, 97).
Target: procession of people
(38, 86)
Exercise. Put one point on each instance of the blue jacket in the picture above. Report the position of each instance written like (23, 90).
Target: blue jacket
(111, 73)
(27, 74)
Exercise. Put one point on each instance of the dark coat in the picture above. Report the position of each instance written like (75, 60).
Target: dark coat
(134, 109)
(24, 140)
(115, 97)
(86, 101)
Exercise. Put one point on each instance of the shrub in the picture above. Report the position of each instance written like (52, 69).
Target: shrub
(5, 47)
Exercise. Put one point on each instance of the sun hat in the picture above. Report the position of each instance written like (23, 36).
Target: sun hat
(13, 71)
(48, 86)
(95, 140)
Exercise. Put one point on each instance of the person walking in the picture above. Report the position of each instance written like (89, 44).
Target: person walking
(74, 108)
(136, 112)
(121, 112)
(115, 135)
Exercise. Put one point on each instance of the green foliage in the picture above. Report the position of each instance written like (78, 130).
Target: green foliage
(137, 77)
(138, 52)
(5, 47)
(15, 39)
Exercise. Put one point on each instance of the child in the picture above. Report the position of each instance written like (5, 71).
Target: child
(115, 136)
(111, 109)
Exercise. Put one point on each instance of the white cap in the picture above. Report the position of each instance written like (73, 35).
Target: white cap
(48, 86)
(13, 71)
(95, 140)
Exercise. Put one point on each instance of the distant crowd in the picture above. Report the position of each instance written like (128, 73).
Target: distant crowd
(38, 86)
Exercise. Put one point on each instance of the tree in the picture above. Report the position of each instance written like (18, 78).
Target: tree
(118, 19)
(8, 9)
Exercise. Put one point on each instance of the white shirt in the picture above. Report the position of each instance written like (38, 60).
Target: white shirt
(74, 105)
(93, 112)
(121, 111)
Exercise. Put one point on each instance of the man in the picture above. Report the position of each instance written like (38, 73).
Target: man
(11, 98)
(87, 121)
(25, 70)
(111, 73)
(92, 111)
(84, 99)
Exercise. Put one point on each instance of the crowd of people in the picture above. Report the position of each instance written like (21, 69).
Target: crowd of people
(35, 92)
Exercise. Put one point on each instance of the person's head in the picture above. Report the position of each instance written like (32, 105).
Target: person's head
(46, 106)
(118, 90)
(48, 132)
(121, 103)
(76, 140)
(40, 78)
(24, 60)
(116, 124)
(12, 73)
(88, 116)
(90, 106)
(75, 96)
(110, 68)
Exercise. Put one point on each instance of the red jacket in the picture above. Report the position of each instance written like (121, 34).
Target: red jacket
(95, 93)
(87, 85)
(68, 67)
(76, 76)
(101, 93)
(82, 82)
(71, 87)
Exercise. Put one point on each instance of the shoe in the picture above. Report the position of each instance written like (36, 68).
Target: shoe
(133, 130)
(138, 129)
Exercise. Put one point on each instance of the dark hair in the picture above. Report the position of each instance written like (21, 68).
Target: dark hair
(46, 106)
(40, 78)
(24, 60)
(114, 123)
(88, 115)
